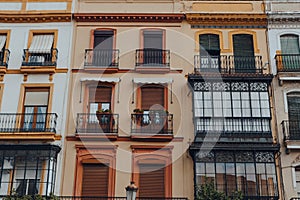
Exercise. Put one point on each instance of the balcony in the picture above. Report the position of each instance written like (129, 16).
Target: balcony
(288, 62)
(97, 125)
(291, 133)
(28, 126)
(97, 198)
(152, 59)
(234, 129)
(228, 64)
(4, 57)
(156, 124)
(105, 59)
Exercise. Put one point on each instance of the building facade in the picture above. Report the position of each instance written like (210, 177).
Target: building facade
(129, 113)
(234, 144)
(34, 41)
(283, 34)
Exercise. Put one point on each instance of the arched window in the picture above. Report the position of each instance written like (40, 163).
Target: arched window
(289, 44)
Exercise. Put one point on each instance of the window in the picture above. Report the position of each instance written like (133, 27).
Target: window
(40, 50)
(297, 172)
(243, 51)
(35, 109)
(290, 51)
(95, 179)
(95, 172)
(100, 98)
(232, 107)
(252, 173)
(293, 100)
(103, 48)
(152, 171)
(209, 51)
(153, 47)
(28, 170)
(2, 48)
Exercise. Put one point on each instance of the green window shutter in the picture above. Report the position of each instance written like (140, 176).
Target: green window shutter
(210, 43)
(289, 44)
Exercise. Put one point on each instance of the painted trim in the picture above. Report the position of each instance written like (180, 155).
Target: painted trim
(34, 18)
(157, 154)
(129, 17)
(226, 19)
(253, 33)
(41, 32)
(209, 31)
(95, 154)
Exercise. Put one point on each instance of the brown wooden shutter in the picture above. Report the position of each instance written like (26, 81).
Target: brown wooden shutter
(100, 94)
(94, 180)
(152, 180)
(151, 96)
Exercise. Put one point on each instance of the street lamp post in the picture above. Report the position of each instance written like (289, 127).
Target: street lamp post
(131, 191)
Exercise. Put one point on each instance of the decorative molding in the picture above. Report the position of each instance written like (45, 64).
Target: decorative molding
(129, 17)
(259, 20)
(35, 18)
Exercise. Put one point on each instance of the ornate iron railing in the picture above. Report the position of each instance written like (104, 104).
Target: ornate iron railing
(101, 58)
(291, 129)
(228, 64)
(97, 123)
(152, 123)
(24, 122)
(227, 126)
(4, 57)
(40, 58)
(288, 62)
(152, 57)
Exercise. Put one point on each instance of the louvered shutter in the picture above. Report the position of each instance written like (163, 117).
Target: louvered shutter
(103, 39)
(153, 39)
(100, 94)
(294, 113)
(210, 43)
(152, 180)
(151, 96)
(243, 50)
(95, 180)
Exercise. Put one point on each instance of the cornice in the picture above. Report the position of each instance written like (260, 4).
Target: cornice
(35, 18)
(227, 19)
(128, 17)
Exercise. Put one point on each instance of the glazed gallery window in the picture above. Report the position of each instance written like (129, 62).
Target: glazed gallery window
(232, 106)
(252, 173)
(27, 172)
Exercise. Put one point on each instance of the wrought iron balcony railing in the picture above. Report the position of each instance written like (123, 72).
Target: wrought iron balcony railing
(228, 64)
(288, 62)
(234, 126)
(4, 57)
(156, 123)
(97, 123)
(40, 58)
(291, 129)
(152, 58)
(101, 58)
(94, 197)
(27, 122)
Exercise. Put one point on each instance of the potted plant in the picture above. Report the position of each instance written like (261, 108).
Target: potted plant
(138, 117)
(105, 119)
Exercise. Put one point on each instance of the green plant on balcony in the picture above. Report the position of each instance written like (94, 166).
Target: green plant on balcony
(15, 196)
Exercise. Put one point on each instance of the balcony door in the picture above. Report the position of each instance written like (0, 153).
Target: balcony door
(35, 108)
(294, 114)
(99, 100)
(243, 51)
(103, 48)
(2, 48)
(209, 52)
(290, 51)
(153, 47)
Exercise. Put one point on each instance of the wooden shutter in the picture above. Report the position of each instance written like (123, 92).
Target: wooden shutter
(153, 39)
(94, 180)
(151, 96)
(294, 106)
(210, 43)
(103, 39)
(243, 45)
(152, 180)
(100, 94)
